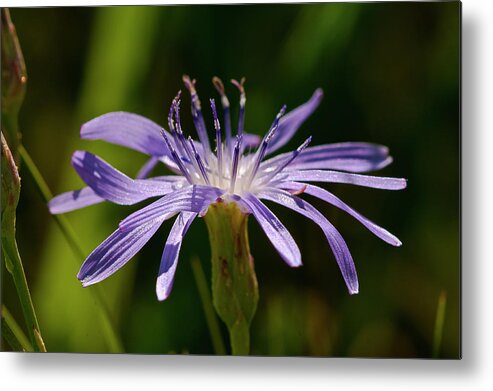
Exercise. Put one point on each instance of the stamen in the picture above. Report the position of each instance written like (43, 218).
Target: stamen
(199, 162)
(198, 119)
(265, 142)
(241, 118)
(299, 191)
(287, 162)
(219, 145)
(179, 131)
(175, 157)
(236, 159)
(225, 104)
(172, 125)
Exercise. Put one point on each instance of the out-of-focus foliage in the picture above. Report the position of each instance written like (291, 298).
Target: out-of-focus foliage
(14, 80)
(390, 73)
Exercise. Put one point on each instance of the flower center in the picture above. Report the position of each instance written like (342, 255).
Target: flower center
(232, 166)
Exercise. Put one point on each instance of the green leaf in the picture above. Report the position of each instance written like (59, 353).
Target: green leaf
(13, 334)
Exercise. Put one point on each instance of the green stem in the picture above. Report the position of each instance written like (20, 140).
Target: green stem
(234, 284)
(439, 322)
(13, 334)
(210, 316)
(14, 265)
(114, 343)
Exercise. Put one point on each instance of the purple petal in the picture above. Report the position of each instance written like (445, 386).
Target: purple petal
(147, 167)
(275, 231)
(195, 199)
(169, 260)
(112, 185)
(72, 200)
(251, 140)
(127, 129)
(343, 177)
(290, 123)
(115, 252)
(336, 242)
(352, 156)
(332, 199)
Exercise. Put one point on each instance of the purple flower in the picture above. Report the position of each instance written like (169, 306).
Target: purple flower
(239, 171)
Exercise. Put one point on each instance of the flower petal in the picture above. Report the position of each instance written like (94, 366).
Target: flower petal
(112, 185)
(343, 177)
(127, 129)
(147, 167)
(72, 200)
(251, 140)
(169, 260)
(332, 199)
(336, 242)
(115, 252)
(275, 231)
(351, 156)
(195, 199)
(290, 123)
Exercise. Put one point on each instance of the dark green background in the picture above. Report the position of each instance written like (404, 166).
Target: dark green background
(390, 73)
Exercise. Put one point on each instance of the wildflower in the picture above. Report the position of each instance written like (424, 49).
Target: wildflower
(233, 180)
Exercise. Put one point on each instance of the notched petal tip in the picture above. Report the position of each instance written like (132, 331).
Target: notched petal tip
(297, 263)
(353, 291)
(85, 283)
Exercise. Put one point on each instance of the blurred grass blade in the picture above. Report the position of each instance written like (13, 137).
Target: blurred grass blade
(14, 80)
(13, 334)
(439, 322)
(112, 338)
(118, 61)
(209, 312)
(10, 197)
(319, 29)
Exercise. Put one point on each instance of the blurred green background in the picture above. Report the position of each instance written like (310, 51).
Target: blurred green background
(390, 73)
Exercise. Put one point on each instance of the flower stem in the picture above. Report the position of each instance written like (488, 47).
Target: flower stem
(205, 298)
(112, 339)
(13, 334)
(234, 284)
(10, 198)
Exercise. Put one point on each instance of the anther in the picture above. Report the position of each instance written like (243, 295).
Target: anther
(218, 84)
(241, 88)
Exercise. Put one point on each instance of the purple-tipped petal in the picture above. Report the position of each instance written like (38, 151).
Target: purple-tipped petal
(147, 167)
(195, 199)
(336, 242)
(115, 252)
(343, 177)
(112, 185)
(275, 231)
(250, 140)
(169, 260)
(127, 129)
(326, 196)
(352, 157)
(290, 123)
(73, 200)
